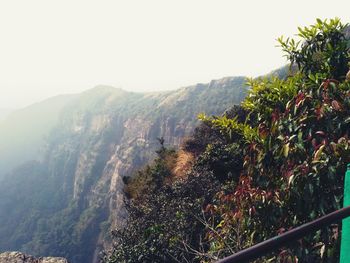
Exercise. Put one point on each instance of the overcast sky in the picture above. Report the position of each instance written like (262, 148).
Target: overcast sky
(67, 46)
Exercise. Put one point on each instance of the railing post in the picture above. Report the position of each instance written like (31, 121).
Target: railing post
(345, 238)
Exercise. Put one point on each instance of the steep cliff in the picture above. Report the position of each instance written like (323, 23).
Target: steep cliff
(66, 201)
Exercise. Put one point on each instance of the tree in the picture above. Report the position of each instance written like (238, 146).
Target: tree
(295, 149)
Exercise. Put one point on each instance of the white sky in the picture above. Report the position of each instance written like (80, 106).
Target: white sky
(66, 46)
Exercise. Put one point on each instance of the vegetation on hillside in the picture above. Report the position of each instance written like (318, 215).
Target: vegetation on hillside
(272, 164)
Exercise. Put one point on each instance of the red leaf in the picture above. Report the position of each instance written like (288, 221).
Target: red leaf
(336, 105)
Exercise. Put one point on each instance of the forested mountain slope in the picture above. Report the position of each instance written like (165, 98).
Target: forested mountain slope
(65, 200)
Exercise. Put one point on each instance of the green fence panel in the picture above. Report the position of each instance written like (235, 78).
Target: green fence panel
(345, 239)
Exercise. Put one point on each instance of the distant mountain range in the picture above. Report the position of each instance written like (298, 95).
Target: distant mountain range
(64, 159)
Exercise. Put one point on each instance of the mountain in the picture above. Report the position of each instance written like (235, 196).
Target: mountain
(65, 192)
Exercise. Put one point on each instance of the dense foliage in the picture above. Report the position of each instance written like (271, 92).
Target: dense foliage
(296, 147)
(164, 217)
(274, 164)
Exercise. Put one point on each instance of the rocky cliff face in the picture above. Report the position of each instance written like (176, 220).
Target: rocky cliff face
(67, 201)
(18, 257)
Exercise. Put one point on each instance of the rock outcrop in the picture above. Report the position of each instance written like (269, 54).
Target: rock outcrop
(18, 257)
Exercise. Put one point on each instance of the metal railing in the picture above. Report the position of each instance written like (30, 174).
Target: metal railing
(297, 233)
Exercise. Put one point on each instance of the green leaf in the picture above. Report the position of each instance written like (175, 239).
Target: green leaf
(286, 150)
(318, 153)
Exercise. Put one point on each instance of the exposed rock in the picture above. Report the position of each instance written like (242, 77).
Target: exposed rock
(18, 257)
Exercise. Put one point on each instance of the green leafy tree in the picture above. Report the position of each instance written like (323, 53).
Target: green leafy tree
(295, 149)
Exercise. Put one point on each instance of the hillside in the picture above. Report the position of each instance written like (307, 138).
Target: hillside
(65, 200)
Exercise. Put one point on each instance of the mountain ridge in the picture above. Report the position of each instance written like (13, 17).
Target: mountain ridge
(97, 138)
